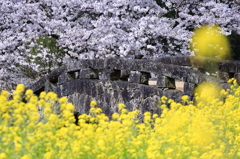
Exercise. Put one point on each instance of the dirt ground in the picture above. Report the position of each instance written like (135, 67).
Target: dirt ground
(179, 85)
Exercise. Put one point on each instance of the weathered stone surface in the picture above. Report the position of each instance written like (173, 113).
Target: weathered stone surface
(39, 85)
(58, 91)
(65, 77)
(69, 88)
(111, 63)
(81, 102)
(165, 82)
(195, 77)
(165, 60)
(147, 91)
(75, 66)
(135, 77)
(229, 66)
(97, 64)
(174, 60)
(180, 60)
(152, 67)
(49, 86)
(173, 94)
(139, 77)
(88, 73)
(225, 86)
(125, 94)
(225, 76)
(189, 88)
(237, 77)
(180, 73)
(167, 70)
(109, 74)
(53, 76)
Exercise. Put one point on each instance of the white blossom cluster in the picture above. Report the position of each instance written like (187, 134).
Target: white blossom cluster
(108, 28)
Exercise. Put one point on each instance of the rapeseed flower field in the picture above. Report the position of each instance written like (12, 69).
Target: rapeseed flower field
(44, 127)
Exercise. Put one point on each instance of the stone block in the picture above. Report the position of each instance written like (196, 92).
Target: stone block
(53, 76)
(152, 67)
(75, 65)
(65, 77)
(195, 77)
(97, 63)
(228, 66)
(189, 88)
(125, 95)
(69, 88)
(165, 60)
(49, 86)
(165, 82)
(38, 86)
(237, 77)
(58, 91)
(225, 76)
(109, 74)
(147, 91)
(225, 86)
(173, 94)
(111, 63)
(180, 73)
(134, 77)
(88, 73)
(180, 60)
(139, 77)
(167, 70)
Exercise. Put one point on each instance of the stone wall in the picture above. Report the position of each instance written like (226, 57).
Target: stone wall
(114, 81)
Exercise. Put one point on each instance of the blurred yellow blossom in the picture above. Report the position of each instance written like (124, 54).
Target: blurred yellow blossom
(121, 106)
(208, 90)
(93, 103)
(3, 156)
(208, 41)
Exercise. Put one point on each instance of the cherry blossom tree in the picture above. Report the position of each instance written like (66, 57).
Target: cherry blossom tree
(104, 28)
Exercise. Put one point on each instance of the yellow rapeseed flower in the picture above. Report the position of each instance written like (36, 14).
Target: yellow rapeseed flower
(70, 107)
(20, 87)
(29, 92)
(42, 95)
(185, 98)
(121, 106)
(209, 131)
(63, 100)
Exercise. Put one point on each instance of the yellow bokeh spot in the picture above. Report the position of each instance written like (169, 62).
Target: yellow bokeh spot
(208, 41)
(208, 90)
